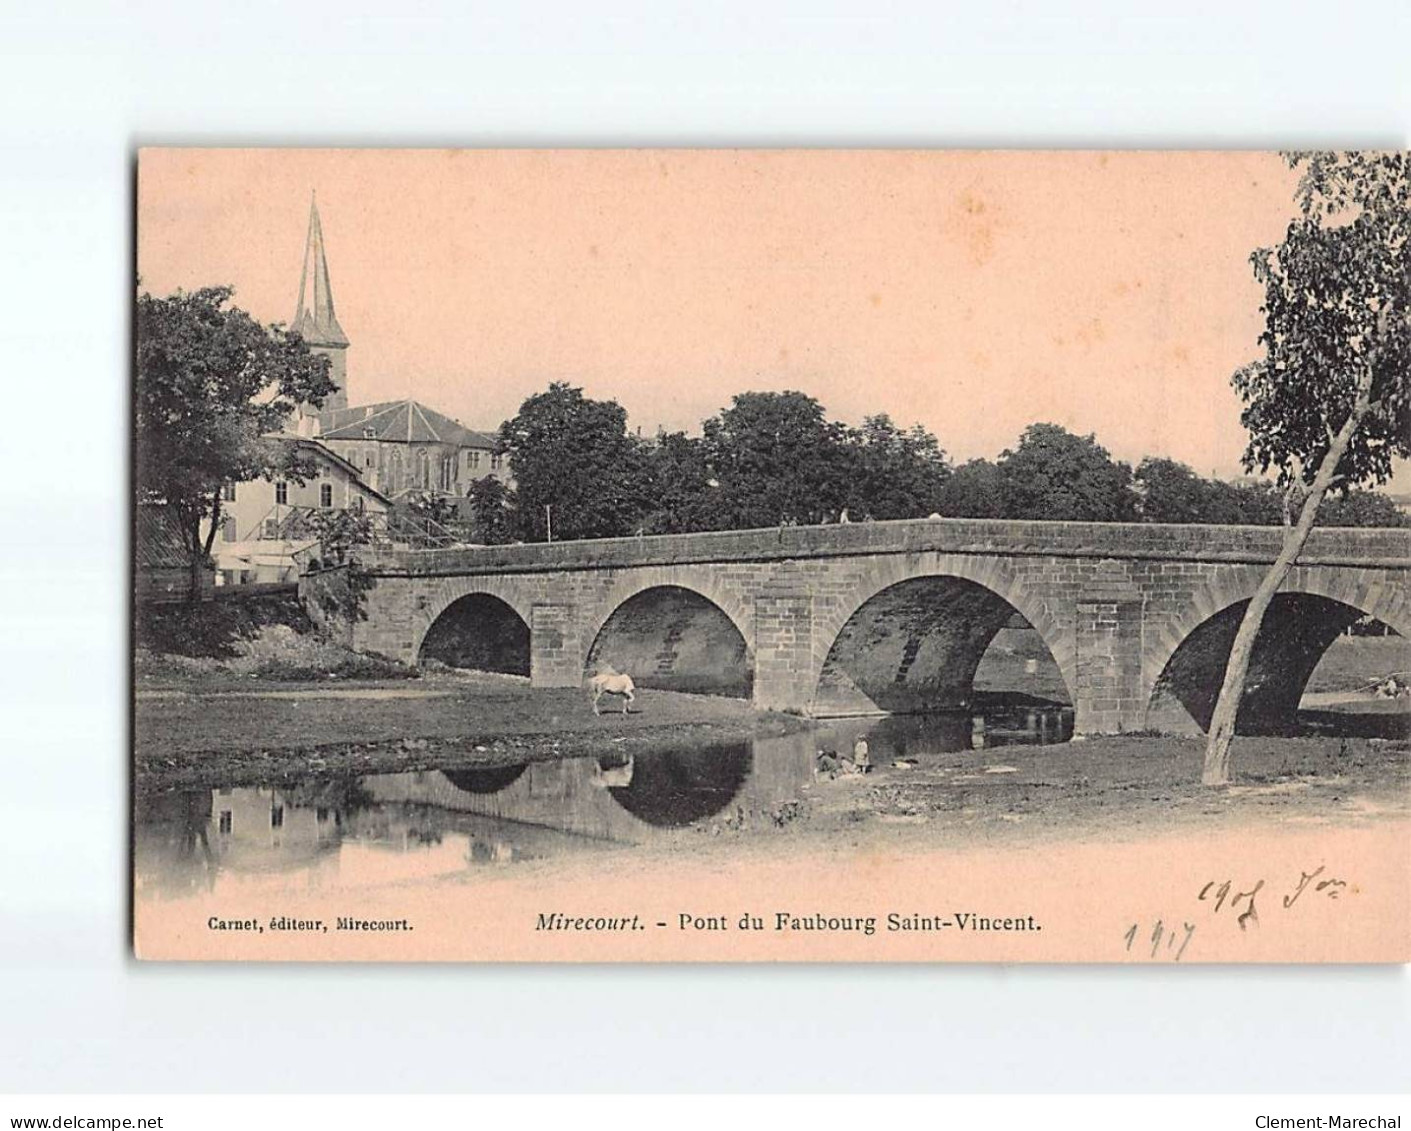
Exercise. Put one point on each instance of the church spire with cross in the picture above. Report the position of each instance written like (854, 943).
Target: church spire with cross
(314, 320)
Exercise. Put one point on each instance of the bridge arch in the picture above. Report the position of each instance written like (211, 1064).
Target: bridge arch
(1184, 657)
(475, 622)
(910, 633)
(674, 629)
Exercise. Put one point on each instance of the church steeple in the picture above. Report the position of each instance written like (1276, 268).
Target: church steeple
(314, 319)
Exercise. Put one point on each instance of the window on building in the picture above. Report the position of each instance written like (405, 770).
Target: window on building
(270, 529)
(281, 493)
(369, 433)
(227, 493)
(472, 459)
(425, 472)
(325, 494)
(276, 816)
(225, 822)
(496, 460)
(359, 504)
(227, 529)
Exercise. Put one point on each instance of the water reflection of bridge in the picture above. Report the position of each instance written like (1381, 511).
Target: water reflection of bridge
(387, 828)
(617, 798)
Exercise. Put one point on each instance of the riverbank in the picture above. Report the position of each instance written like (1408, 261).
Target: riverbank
(1113, 786)
(228, 734)
(265, 701)
(220, 730)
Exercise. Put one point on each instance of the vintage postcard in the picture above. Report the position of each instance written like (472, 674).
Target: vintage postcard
(679, 555)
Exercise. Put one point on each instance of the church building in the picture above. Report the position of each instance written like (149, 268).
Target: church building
(398, 447)
(366, 457)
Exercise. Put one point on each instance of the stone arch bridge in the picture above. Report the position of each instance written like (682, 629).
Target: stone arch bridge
(895, 616)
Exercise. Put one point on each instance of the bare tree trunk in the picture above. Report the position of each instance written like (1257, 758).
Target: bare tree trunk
(215, 525)
(200, 550)
(1222, 722)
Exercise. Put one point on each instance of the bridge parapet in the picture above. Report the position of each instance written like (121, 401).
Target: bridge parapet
(1369, 548)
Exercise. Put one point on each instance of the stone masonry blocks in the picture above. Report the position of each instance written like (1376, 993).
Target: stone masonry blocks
(555, 650)
(1113, 603)
(784, 670)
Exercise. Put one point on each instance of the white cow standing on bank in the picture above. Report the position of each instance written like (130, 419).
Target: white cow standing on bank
(609, 682)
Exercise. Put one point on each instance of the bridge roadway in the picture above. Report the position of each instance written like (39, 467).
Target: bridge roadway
(895, 616)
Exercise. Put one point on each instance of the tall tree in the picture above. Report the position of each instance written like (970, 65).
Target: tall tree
(1357, 507)
(894, 473)
(778, 461)
(492, 511)
(1257, 504)
(211, 384)
(1169, 491)
(975, 489)
(684, 490)
(573, 455)
(1329, 403)
(1053, 473)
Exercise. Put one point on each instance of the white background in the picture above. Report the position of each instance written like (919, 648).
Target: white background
(82, 86)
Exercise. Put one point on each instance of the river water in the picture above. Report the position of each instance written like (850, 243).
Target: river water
(349, 834)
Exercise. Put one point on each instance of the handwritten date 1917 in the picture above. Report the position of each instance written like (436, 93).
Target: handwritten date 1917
(1174, 939)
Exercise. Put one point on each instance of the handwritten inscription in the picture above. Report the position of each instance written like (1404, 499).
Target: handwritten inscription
(1331, 888)
(1227, 899)
(1222, 893)
(1160, 934)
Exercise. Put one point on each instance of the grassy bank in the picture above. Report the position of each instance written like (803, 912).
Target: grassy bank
(1124, 782)
(222, 643)
(254, 730)
(1352, 662)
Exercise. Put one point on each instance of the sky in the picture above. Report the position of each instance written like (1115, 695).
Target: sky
(971, 292)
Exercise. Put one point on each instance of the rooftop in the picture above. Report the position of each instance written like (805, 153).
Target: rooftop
(157, 541)
(407, 422)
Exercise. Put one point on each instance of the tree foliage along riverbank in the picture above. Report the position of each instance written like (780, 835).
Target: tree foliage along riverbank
(210, 386)
(1329, 403)
(776, 459)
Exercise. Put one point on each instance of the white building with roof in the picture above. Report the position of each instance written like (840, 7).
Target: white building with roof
(262, 536)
